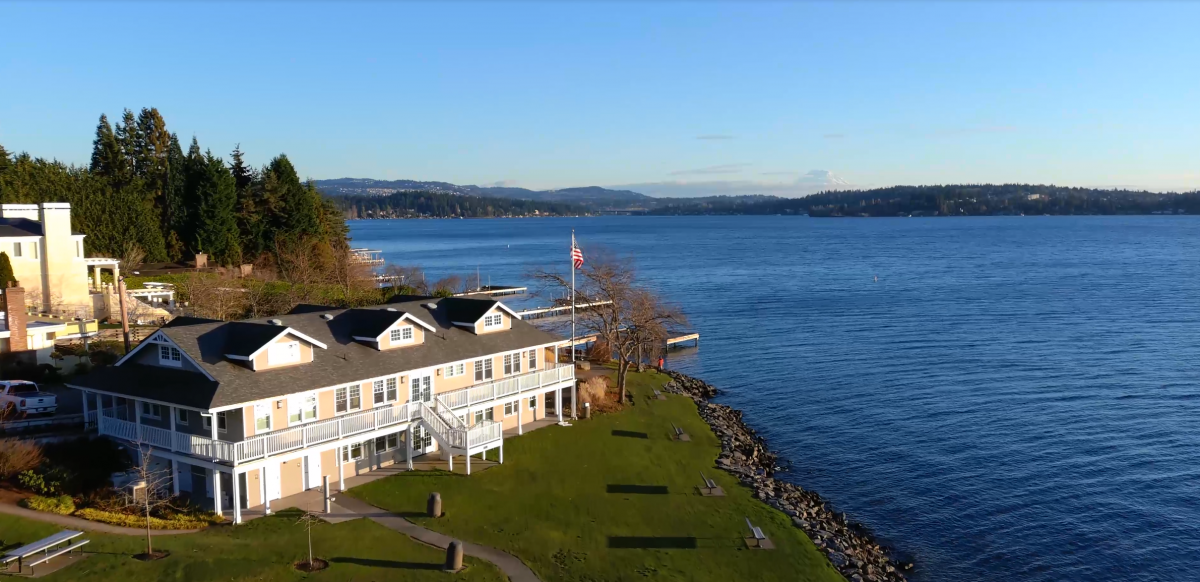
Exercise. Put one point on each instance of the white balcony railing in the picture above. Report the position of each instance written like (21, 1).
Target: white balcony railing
(441, 418)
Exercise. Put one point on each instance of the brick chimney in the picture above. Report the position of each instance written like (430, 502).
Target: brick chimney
(14, 314)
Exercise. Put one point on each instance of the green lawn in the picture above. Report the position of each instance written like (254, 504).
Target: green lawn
(263, 549)
(597, 501)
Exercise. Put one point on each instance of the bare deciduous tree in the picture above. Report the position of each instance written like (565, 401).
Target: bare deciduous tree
(447, 286)
(213, 296)
(17, 455)
(349, 272)
(131, 255)
(626, 316)
(308, 520)
(152, 492)
(409, 277)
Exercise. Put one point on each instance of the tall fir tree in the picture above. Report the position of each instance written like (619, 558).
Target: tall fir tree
(129, 139)
(216, 223)
(249, 217)
(195, 173)
(175, 215)
(298, 214)
(107, 159)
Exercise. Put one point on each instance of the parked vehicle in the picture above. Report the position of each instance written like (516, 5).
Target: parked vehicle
(20, 398)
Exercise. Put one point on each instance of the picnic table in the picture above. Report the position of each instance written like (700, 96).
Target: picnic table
(46, 546)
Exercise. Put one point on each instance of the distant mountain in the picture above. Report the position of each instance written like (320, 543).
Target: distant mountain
(591, 196)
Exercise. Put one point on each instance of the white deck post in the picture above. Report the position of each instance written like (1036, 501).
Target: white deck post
(501, 452)
(520, 404)
(468, 462)
(96, 277)
(341, 471)
(171, 409)
(450, 459)
(558, 403)
(217, 491)
(175, 477)
(262, 484)
(237, 498)
(85, 410)
(137, 417)
(410, 445)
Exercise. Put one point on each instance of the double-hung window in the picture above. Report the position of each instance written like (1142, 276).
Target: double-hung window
(347, 398)
(181, 416)
(482, 415)
(493, 321)
(262, 417)
(510, 408)
(532, 359)
(16, 249)
(170, 356)
(207, 422)
(33, 250)
(384, 390)
(352, 452)
(455, 370)
(149, 409)
(387, 442)
(302, 408)
(391, 394)
(533, 402)
(377, 396)
(483, 369)
(512, 364)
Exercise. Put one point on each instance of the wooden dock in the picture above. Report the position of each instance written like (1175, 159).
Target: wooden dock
(495, 291)
(586, 340)
(540, 312)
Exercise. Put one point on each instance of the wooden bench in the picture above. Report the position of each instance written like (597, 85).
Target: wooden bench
(57, 553)
(43, 545)
(709, 484)
(757, 539)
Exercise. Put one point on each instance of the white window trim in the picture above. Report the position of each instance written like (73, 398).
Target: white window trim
(179, 420)
(346, 458)
(206, 421)
(454, 370)
(300, 398)
(349, 409)
(143, 404)
(396, 335)
(490, 326)
(171, 351)
(279, 348)
(510, 408)
(267, 407)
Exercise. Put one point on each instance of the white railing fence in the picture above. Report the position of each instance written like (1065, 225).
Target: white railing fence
(508, 386)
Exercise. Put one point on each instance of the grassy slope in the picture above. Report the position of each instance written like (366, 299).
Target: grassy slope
(550, 503)
(263, 549)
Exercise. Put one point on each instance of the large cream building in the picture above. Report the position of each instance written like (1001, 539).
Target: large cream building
(47, 257)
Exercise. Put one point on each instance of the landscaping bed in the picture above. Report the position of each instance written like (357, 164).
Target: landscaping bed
(613, 498)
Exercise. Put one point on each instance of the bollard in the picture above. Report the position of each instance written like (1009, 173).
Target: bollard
(434, 506)
(587, 410)
(325, 490)
(454, 556)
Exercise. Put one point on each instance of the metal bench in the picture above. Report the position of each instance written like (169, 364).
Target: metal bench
(57, 553)
(659, 395)
(43, 545)
(679, 434)
(709, 484)
(756, 534)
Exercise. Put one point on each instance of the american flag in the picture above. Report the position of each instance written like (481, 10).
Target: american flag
(576, 254)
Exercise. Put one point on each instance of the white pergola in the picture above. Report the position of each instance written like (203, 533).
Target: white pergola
(97, 263)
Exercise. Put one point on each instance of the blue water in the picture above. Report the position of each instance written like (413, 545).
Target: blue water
(1013, 399)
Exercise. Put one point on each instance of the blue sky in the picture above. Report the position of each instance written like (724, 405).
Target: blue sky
(669, 98)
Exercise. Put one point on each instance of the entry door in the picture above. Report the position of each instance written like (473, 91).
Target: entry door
(312, 470)
(273, 491)
(422, 440)
(421, 389)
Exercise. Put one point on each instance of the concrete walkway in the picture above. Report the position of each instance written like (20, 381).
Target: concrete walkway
(77, 523)
(513, 567)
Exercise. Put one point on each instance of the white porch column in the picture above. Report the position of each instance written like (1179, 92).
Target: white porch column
(410, 446)
(450, 460)
(558, 403)
(175, 477)
(216, 477)
(468, 462)
(520, 405)
(502, 452)
(262, 482)
(341, 470)
(96, 277)
(237, 498)
(171, 410)
(137, 417)
(116, 274)
(85, 410)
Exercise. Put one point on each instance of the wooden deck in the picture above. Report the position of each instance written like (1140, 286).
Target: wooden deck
(674, 341)
(541, 312)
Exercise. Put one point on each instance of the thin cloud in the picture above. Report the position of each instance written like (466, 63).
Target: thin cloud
(779, 173)
(721, 169)
(834, 136)
(714, 136)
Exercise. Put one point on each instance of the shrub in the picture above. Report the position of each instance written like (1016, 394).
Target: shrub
(62, 505)
(594, 390)
(89, 463)
(17, 456)
(139, 521)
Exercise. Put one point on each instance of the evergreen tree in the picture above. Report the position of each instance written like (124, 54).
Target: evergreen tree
(130, 140)
(195, 170)
(174, 213)
(216, 225)
(107, 159)
(5, 160)
(249, 215)
(6, 271)
(299, 206)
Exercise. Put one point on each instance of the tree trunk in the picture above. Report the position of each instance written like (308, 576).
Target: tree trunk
(149, 547)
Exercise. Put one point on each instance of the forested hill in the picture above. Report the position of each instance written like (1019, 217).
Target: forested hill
(950, 200)
(427, 204)
(590, 196)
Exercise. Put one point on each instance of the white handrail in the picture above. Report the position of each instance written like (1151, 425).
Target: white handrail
(507, 386)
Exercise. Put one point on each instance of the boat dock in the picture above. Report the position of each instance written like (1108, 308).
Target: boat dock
(587, 340)
(495, 291)
(540, 312)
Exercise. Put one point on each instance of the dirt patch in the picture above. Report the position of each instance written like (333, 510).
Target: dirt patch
(316, 565)
(11, 496)
(157, 555)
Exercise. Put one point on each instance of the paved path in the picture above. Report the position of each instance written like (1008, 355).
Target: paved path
(77, 523)
(512, 566)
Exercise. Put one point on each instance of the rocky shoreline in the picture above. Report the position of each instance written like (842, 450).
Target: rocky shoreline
(848, 545)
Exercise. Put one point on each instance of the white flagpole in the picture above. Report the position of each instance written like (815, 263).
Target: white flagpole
(572, 296)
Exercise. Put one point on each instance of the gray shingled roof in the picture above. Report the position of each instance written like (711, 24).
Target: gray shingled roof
(344, 361)
(19, 227)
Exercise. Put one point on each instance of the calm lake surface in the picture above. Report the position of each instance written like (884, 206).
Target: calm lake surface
(1013, 399)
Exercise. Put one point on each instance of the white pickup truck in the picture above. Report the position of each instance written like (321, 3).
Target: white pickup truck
(21, 398)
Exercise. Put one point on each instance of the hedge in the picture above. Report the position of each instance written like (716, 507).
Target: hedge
(62, 505)
(138, 521)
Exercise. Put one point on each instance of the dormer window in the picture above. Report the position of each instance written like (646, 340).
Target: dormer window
(170, 356)
(283, 353)
(402, 335)
(493, 321)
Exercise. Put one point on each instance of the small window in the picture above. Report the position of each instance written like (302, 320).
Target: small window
(170, 356)
(378, 393)
(387, 442)
(510, 408)
(151, 410)
(352, 453)
(483, 369)
(533, 402)
(283, 353)
(455, 370)
(181, 416)
(206, 422)
(347, 398)
(262, 417)
(482, 415)
(532, 359)
(380, 444)
(302, 408)
(16, 249)
(493, 321)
